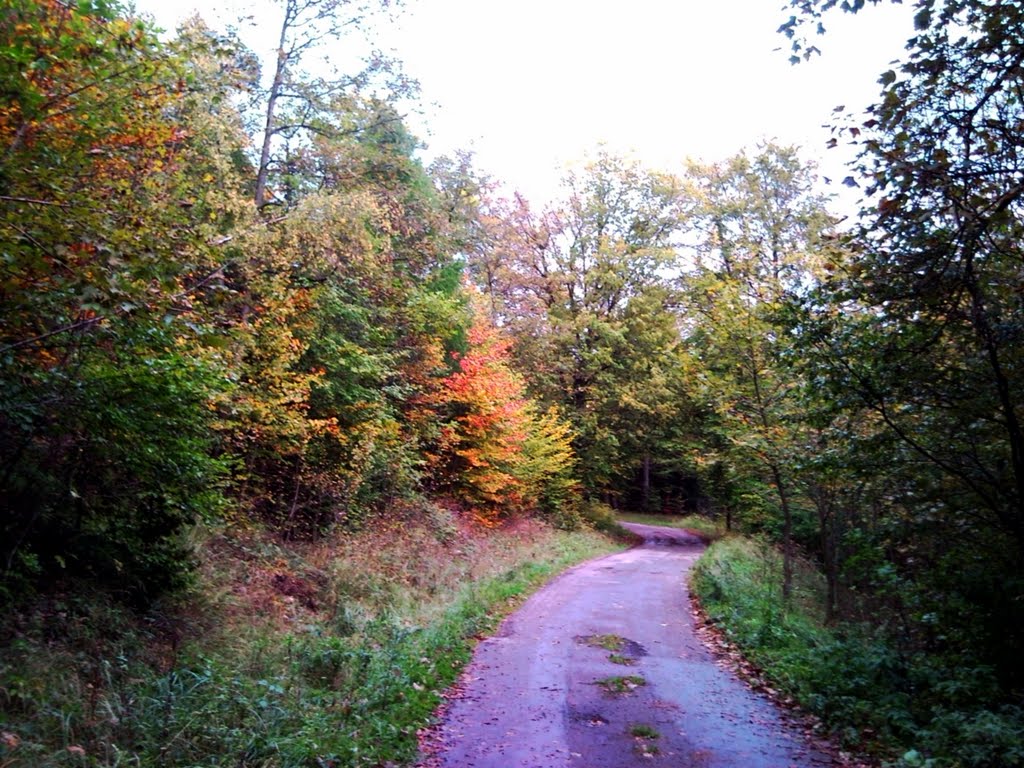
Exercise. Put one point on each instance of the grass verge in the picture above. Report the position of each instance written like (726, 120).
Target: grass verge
(916, 710)
(284, 656)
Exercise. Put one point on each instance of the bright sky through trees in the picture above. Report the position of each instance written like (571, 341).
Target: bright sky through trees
(534, 85)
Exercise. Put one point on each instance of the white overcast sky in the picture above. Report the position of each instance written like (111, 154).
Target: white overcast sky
(532, 86)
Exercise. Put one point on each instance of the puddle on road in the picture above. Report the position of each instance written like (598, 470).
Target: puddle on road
(589, 719)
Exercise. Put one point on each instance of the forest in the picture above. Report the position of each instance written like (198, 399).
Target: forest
(247, 330)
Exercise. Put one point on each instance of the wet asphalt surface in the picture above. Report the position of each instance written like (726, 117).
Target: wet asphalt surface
(531, 697)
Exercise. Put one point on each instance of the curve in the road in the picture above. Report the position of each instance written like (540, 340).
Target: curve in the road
(602, 669)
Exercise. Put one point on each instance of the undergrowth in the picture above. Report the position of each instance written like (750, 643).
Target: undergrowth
(601, 517)
(283, 656)
(922, 710)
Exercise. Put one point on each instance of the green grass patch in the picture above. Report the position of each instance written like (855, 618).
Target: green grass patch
(284, 656)
(613, 643)
(608, 642)
(643, 731)
(618, 658)
(621, 683)
(711, 530)
(915, 710)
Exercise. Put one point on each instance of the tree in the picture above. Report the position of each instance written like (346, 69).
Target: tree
(580, 288)
(499, 453)
(758, 225)
(297, 106)
(755, 219)
(106, 370)
(350, 307)
(934, 295)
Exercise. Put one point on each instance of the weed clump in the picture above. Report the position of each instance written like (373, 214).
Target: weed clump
(619, 684)
(618, 658)
(644, 734)
(622, 651)
(643, 731)
(608, 642)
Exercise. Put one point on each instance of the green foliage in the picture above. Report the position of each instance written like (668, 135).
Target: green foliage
(128, 478)
(107, 369)
(601, 517)
(497, 451)
(608, 642)
(760, 225)
(916, 336)
(189, 334)
(549, 469)
(159, 329)
(584, 291)
(346, 307)
(350, 682)
(643, 731)
(620, 684)
(867, 688)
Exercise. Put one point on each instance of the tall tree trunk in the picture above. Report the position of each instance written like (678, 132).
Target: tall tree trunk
(275, 92)
(780, 487)
(646, 482)
(1013, 518)
(828, 535)
(787, 533)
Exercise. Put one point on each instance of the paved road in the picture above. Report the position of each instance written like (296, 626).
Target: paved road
(531, 697)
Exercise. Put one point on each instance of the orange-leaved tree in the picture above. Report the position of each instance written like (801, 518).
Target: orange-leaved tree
(501, 453)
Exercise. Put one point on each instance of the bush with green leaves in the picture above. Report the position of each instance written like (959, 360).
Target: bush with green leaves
(867, 685)
(105, 470)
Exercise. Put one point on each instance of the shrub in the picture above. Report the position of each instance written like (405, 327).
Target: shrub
(109, 473)
(933, 710)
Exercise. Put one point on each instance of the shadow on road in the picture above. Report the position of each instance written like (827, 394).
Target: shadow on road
(659, 535)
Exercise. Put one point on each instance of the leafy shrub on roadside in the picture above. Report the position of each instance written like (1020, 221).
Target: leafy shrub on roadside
(332, 654)
(936, 712)
(104, 474)
(601, 517)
